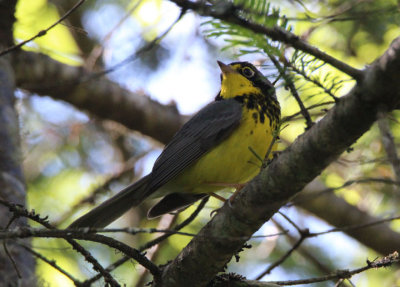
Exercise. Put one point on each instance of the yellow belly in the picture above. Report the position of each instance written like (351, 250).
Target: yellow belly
(231, 162)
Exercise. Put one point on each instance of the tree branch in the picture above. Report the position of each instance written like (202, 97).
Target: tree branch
(40, 74)
(227, 13)
(346, 274)
(69, 234)
(20, 211)
(17, 265)
(337, 212)
(155, 241)
(311, 153)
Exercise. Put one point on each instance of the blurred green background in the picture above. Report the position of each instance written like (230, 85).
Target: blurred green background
(68, 154)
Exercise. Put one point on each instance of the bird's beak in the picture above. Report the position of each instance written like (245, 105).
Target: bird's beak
(225, 69)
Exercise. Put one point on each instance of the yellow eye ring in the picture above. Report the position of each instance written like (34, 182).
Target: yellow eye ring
(247, 72)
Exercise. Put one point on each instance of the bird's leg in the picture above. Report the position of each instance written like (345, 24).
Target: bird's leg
(236, 186)
(217, 196)
(275, 155)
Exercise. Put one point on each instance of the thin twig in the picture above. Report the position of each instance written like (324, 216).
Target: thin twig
(96, 265)
(305, 252)
(178, 227)
(299, 230)
(99, 49)
(53, 264)
(292, 116)
(314, 81)
(230, 14)
(389, 144)
(345, 274)
(166, 222)
(20, 211)
(71, 234)
(289, 83)
(281, 260)
(153, 242)
(135, 231)
(140, 51)
(12, 259)
(43, 32)
(355, 226)
(14, 217)
(368, 180)
(275, 137)
(304, 233)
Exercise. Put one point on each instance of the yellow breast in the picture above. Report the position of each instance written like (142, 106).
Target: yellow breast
(233, 161)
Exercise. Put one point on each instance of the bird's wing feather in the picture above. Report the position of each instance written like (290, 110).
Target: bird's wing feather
(206, 129)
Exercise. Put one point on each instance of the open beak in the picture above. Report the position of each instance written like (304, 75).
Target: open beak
(226, 69)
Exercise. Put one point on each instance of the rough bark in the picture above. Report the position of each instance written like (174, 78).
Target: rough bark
(16, 264)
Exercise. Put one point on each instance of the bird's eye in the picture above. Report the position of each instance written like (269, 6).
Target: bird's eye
(247, 72)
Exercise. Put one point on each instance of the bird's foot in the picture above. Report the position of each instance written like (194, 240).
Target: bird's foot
(217, 196)
(275, 155)
(214, 212)
(238, 187)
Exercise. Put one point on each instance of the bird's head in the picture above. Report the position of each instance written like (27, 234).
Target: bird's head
(239, 78)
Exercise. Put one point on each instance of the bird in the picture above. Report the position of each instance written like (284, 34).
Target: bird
(220, 147)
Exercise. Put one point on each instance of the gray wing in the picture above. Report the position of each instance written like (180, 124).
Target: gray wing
(202, 132)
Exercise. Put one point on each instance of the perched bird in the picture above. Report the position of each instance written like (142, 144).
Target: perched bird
(219, 147)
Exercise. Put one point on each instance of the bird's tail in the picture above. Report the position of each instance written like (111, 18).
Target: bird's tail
(114, 207)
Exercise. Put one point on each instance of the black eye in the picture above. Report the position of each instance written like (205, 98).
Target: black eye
(247, 72)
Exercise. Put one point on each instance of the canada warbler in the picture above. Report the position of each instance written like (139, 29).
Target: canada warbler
(220, 146)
